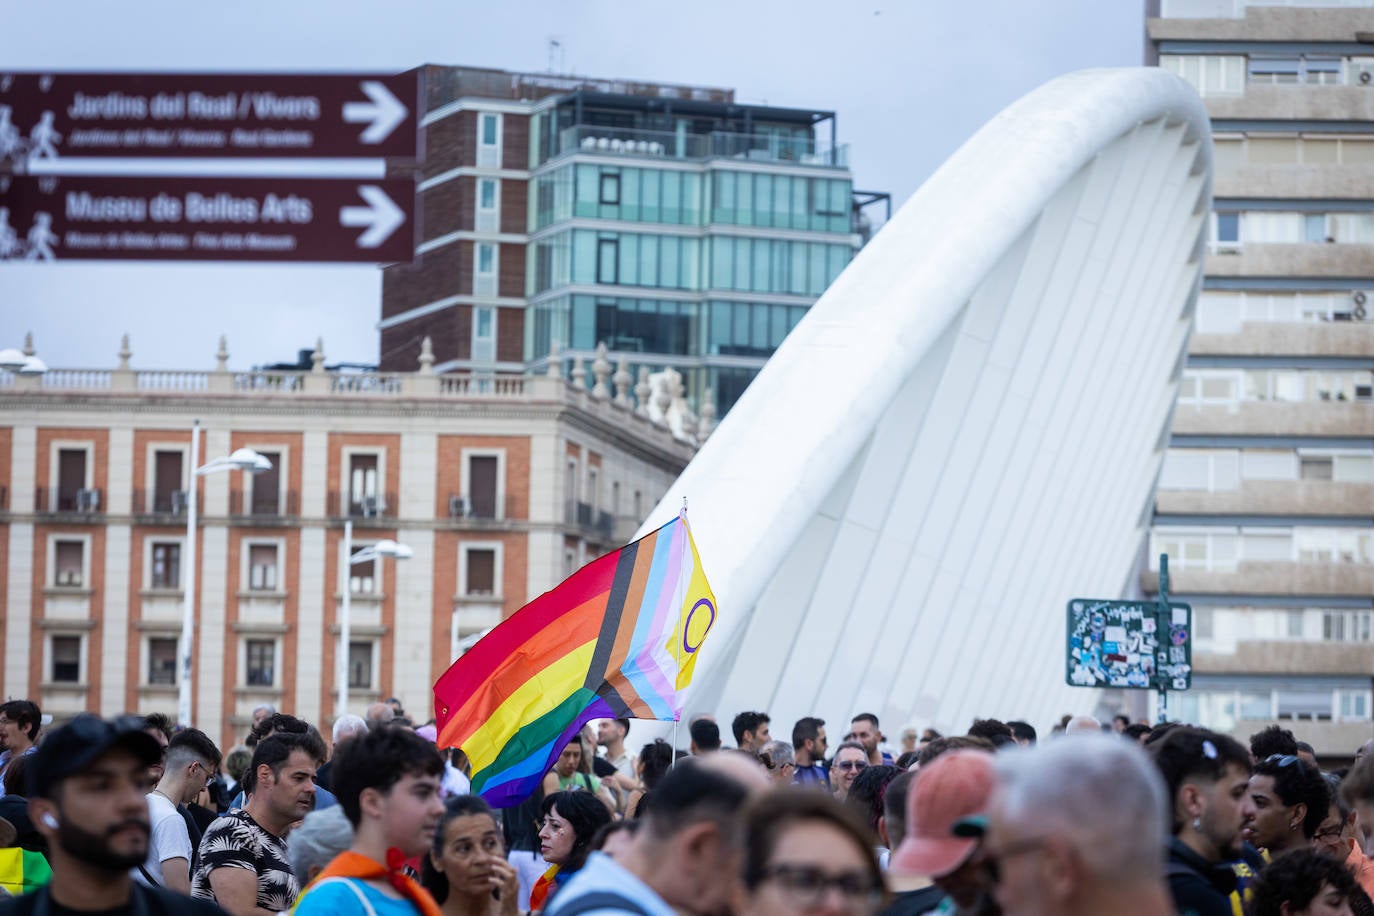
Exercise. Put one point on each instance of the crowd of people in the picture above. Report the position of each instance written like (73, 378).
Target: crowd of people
(131, 816)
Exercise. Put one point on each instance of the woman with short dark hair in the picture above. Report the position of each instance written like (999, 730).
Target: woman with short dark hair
(571, 821)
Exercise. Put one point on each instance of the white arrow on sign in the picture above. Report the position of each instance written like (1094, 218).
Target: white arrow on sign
(385, 112)
(381, 216)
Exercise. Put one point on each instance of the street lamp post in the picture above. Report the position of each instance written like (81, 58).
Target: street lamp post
(244, 459)
(379, 550)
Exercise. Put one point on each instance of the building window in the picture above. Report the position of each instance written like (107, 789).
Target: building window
(267, 486)
(262, 567)
(1316, 467)
(484, 280)
(261, 657)
(489, 140)
(483, 474)
(360, 665)
(69, 563)
(66, 659)
(362, 485)
(362, 577)
(166, 568)
(481, 571)
(484, 334)
(162, 660)
(71, 479)
(1354, 704)
(607, 260)
(1227, 227)
(610, 188)
(488, 219)
(168, 496)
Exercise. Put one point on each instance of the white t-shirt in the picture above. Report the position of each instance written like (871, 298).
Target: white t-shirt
(170, 839)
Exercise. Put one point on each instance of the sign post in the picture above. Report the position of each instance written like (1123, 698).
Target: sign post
(1131, 644)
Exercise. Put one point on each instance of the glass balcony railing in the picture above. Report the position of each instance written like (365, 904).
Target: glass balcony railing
(656, 144)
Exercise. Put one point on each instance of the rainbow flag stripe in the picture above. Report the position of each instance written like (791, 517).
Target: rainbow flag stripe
(618, 638)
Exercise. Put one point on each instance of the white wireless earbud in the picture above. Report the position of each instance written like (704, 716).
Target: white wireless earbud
(49, 820)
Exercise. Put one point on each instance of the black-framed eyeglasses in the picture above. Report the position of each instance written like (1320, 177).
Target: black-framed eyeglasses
(1331, 836)
(806, 886)
(851, 765)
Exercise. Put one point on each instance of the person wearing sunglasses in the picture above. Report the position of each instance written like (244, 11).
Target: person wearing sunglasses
(850, 759)
(779, 760)
(807, 854)
(1075, 828)
(1291, 800)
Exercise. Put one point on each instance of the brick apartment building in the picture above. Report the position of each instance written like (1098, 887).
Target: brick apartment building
(671, 223)
(500, 489)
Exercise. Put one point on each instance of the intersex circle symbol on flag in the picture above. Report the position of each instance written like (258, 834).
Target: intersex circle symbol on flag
(692, 637)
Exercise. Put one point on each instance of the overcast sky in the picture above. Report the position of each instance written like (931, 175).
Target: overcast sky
(910, 81)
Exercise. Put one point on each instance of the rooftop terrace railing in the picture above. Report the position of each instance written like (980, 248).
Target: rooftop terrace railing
(657, 144)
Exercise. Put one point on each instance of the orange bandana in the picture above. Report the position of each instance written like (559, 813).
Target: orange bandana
(349, 864)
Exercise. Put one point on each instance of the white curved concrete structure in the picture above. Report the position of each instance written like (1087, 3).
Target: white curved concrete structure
(965, 430)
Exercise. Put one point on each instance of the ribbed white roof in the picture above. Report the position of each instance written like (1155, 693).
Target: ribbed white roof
(965, 431)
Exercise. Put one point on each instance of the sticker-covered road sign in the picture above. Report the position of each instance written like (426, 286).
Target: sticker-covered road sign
(1129, 644)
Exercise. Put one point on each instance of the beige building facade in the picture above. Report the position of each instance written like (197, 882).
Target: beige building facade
(1265, 505)
(500, 487)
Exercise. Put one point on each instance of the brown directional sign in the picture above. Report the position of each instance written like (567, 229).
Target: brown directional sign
(47, 218)
(55, 116)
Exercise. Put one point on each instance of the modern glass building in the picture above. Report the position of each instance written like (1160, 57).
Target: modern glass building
(670, 223)
(1266, 500)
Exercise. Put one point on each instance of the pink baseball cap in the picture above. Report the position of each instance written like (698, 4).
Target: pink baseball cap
(953, 786)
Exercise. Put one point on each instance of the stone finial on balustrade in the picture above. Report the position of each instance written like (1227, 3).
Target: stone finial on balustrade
(555, 369)
(427, 356)
(317, 358)
(28, 345)
(642, 391)
(122, 379)
(708, 416)
(663, 398)
(579, 374)
(622, 380)
(601, 372)
(222, 355)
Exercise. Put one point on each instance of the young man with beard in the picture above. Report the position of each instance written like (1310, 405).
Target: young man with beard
(87, 791)
(808, 746)
(243, 863)
(1208, 778)
(388, 786)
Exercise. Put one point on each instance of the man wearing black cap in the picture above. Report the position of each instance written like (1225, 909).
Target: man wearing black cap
(87, 785)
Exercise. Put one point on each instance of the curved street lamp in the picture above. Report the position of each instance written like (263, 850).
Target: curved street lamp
(378, 551)
(243, 459)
